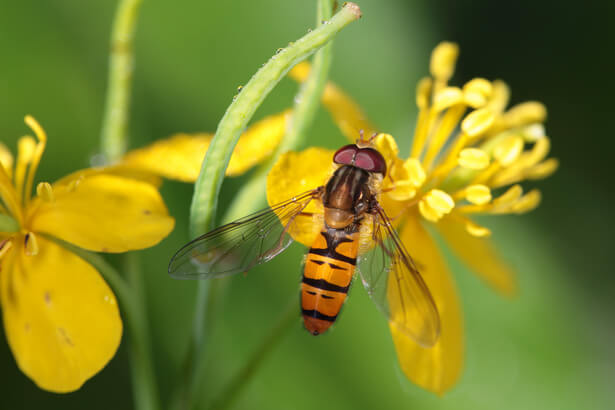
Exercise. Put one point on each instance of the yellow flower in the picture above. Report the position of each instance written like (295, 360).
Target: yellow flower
(60, 317)
(467, 156)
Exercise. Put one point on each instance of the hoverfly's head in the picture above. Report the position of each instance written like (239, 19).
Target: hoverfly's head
(368, 158)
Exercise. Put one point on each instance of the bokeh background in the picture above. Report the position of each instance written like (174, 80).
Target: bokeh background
(550, 348)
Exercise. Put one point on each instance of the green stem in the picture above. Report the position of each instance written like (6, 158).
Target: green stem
(135, 319)
(121, 66)
(240, 380)
(207, 186)
(143, 375)
(239, 113)
(252, 195)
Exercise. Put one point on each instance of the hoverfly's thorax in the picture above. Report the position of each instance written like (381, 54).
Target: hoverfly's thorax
(343, 193)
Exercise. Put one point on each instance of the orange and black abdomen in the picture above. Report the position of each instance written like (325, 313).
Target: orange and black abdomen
(329, 266)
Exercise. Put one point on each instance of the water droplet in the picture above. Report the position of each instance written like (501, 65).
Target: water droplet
(234, 97)
(309, 30)
(279, 50)
(297, 99)
(239, 88)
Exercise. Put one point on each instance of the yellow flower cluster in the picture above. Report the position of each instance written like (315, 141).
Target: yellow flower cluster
(466, 147)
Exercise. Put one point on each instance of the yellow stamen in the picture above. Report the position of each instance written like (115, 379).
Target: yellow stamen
(476, 92)
(45, 191)
(499, 97)
(511, 195)
(423, 92)
(477, 194)
(473, 158)
(542, 170)
(499, 205)
(9, 196)
(6, 159)
(36, 159)
(435, 204)
(416, 173)
(486, 174)
(25, 152)
(534, 132)
(428, 213)
(440, 201)
(31, 244)
(527, 202)
(539, 151)
(477, 122)
(448, 123)
(521, 115)
(443, 59)
(508, 150)
(476, 230)
(5, 245)
(446, 98)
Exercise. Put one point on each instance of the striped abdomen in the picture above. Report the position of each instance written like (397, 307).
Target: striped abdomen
(329, 266)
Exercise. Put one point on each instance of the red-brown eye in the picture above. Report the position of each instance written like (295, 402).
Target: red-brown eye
(345, 155)
(370, 160)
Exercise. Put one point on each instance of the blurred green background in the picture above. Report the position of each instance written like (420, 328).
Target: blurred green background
(551, 348)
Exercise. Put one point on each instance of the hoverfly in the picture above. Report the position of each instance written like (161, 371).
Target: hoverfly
(350, 212)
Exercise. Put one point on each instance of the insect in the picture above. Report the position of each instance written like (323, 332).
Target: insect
(354, 232)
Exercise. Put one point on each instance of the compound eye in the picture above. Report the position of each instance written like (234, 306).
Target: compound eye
(345, 155)
(370, 160)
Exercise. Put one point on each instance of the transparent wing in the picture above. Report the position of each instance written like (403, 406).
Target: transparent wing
(395, 285)
(242, 244)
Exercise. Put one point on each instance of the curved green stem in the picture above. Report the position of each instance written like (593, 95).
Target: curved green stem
(207, 186)
(252, 195)
(240, 380)
(121, 66)
(135, 318)
(239, 113)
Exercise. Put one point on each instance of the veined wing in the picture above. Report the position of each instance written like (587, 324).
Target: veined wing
(242, 244)
(395, 285)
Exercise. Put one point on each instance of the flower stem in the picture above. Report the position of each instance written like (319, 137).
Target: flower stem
(239, 113)
(143, 375)
(133, 308)
(207, 186)
(252, 196)
(240, 380)
(121, 66)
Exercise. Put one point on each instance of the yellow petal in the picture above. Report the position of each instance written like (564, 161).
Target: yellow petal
(295, 173)
(438, 368)
(61, 319)
(180, 156)
(346, 113)
(479, 255)
(104, 213)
